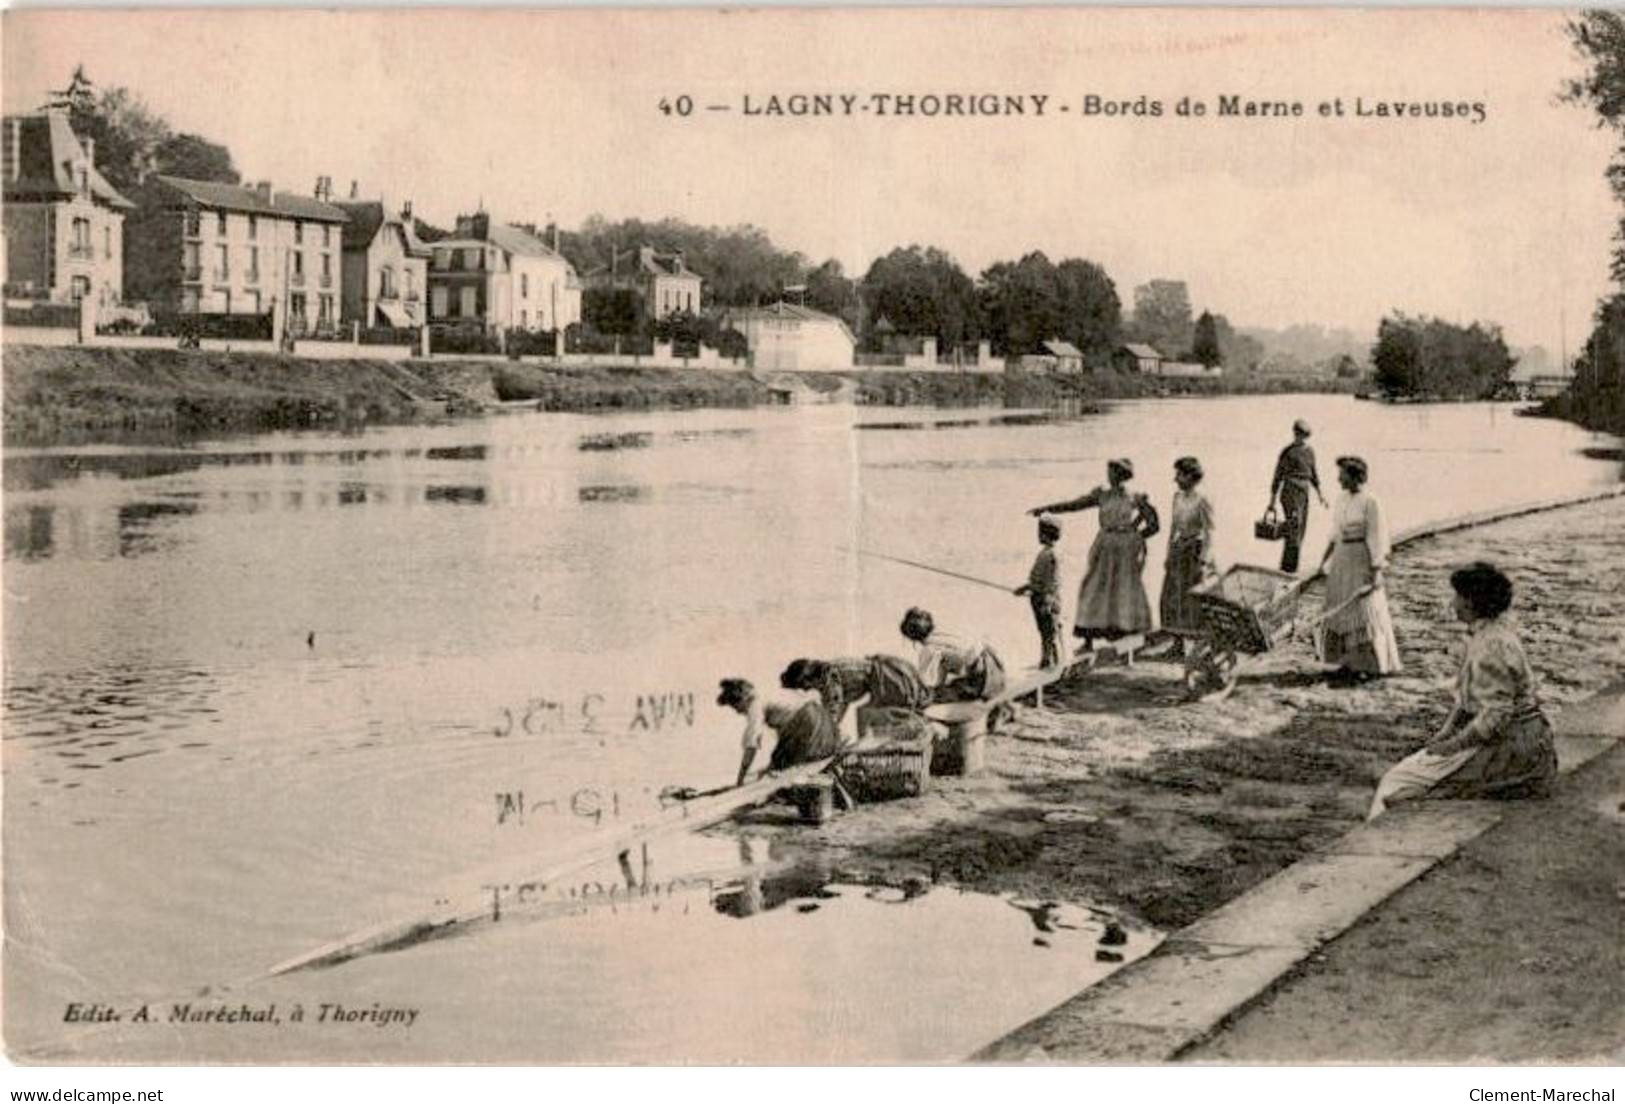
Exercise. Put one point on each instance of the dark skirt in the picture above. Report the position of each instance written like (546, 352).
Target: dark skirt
(1181, 612)
(1518, 761)
(808, 736)
(895, 682)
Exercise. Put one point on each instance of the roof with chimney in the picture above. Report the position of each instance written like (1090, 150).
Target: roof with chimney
(367, 216)
(41, 162)
(236, 197)
(648, 260)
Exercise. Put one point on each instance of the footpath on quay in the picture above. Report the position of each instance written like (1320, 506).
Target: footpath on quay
(1204, 976)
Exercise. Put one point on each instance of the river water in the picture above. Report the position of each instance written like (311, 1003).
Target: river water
(259, 692)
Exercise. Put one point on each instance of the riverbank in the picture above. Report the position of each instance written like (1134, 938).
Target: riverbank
(1120, 793)
(1507, 952)
(73, 394)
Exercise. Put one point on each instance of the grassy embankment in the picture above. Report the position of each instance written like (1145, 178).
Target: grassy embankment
(77, 394)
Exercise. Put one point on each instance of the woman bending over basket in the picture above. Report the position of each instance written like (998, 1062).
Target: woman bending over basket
(1112, 601)
(869, 682)
(1496, 742)
(1358, 632)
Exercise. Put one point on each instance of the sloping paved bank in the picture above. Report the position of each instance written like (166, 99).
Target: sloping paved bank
(1510, 951)
(1121, 793)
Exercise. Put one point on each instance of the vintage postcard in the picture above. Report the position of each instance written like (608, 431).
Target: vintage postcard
(813, 537)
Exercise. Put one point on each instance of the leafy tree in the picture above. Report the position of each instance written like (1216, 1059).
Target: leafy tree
(1162, 315)
(1432, 358)
(616, 311)
(740, 264)
(829, 290)
(1021, 304)
(1205, 343)
(1597, 396)
(924, 293)
(1238, 351)
(1091, 313)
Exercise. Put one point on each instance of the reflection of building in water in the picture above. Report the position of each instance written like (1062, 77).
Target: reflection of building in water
(765, 886)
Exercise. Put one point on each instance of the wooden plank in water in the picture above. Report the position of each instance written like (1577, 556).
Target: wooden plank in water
(601, 846)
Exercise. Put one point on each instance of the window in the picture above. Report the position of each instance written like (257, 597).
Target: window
(189, 300)
(386, 282)
(325, 317)
(222, 262)
(252, 300)
(194, 224)
(81, 288)
(80, 245)
(253, 227)
(411, 284)
(191, 258)
(298, 233)
(107, 242)
(524, 285)
(471, 258)
(470, 303)
(437, 301)
(327, 235)
(220, 224)
(691, 302)
(298, 264)
(253, 263)
(327, 269)
(296, 305)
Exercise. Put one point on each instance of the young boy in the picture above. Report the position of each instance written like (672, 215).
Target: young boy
(1043, 589)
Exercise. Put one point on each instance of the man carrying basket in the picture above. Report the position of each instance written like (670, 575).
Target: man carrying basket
(1295, 476)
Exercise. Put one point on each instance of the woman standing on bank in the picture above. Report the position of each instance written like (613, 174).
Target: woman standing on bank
(1358, 636)
(1111, 600)
(1190, 554)
(1496, 742)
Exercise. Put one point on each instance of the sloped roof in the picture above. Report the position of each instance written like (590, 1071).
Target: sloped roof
(47, 150)
(1143, 351)
(782, 310)
(367, 217)
(235, 197)
(1062, 349)
(518, 241)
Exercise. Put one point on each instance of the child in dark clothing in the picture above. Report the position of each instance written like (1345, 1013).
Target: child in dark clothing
(1043, 590)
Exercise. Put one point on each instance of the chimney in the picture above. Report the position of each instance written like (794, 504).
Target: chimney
(324, 188)
(355, 189)
(406, 212)
(263, 189)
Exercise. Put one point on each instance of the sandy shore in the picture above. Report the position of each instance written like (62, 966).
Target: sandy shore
(1122, 794)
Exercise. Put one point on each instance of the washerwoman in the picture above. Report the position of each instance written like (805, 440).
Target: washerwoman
(869, 682)
(1111, 601)
(1496, 742)
(1358, 636)
(1190, 554)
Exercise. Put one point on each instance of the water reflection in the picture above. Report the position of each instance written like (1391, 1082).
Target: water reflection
(456, 495)
(613, 493)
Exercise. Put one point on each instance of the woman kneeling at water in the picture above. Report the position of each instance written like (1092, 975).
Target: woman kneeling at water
(804, 732)
(877, 681)
(1495, 742)
(954, 668)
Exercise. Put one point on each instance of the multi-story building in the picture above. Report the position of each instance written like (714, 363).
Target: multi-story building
(233, 249)
(386, 266)
(64, 223)
(501, 277)
(664, 281)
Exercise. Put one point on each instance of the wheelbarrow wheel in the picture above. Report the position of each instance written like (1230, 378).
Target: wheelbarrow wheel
(1210, 673)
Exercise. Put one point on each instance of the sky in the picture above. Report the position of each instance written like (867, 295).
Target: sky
(1334, 220)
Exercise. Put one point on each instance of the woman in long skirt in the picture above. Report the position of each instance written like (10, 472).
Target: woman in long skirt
(1496, 742)
(1358, 637)
(1190, 554)
(1111, 600)
(869, 682)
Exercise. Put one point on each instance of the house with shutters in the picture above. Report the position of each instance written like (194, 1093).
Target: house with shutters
(500, 277)
(662, 280)
(385, 271)
(235, 249)
(64, 223)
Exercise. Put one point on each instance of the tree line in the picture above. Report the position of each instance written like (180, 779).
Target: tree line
(1597, 397)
